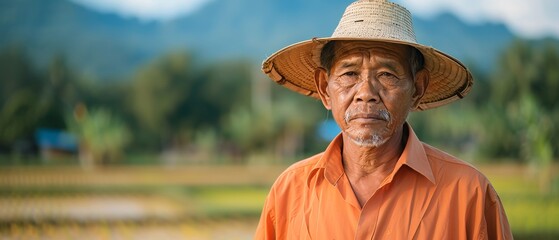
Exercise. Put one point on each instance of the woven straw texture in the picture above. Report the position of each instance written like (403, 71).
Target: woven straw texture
(372, 20)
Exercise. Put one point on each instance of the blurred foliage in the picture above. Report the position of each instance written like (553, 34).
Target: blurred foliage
(103, 136)
(509, 113)
(20, 98)
(228, 110)
(32, 99)
(522, 93)
(157, 92)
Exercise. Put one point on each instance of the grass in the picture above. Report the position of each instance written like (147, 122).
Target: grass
(246, 201)
(531, 213)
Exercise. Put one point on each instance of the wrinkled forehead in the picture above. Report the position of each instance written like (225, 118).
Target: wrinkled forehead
(396, 52)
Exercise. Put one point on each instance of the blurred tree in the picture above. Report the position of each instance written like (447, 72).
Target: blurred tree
(214, 92)
(524, 94)
(21, 102)
(296, 120)
(481, 91)
(157, 93)
(245, 128)
(281, 128)
(176, 101)
(534, 128)
(32, 99)
(548, 77)
(530, 100)
(508, 114)
(102, 135)
(166, 96)
(59, 94)
(456, 128)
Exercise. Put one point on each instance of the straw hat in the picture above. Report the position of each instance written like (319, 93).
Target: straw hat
(372, 20)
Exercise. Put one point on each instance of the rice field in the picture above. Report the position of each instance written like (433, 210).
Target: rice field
(531, 213)
(198, 202)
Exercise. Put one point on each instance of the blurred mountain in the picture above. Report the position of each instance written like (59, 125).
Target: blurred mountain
(94, 43)
(108, 46)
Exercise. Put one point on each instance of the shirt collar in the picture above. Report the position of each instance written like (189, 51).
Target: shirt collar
(330, 162)
(413, 156)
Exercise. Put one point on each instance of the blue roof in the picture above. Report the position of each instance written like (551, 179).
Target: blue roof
(56, 139)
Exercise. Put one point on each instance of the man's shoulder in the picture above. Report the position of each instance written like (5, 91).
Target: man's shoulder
(457, 175)
(436, 155)
(298, 172)
(305, 163)
(446, 166)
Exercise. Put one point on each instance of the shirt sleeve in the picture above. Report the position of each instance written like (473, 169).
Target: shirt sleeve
(495, 217)
(266, 229)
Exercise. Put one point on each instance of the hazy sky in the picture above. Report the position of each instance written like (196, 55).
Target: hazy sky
(529, 18)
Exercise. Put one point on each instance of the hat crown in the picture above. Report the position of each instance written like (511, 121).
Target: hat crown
(376, 19)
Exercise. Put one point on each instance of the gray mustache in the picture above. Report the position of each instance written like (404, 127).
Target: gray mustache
(384, 114)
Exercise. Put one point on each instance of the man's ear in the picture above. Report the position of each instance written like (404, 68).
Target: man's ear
(421, 83)
(321, 83)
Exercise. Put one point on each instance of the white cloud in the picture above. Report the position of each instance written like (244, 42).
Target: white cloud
(146, 9)
(529, 18)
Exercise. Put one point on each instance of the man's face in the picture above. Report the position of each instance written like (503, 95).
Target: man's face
(370, 90)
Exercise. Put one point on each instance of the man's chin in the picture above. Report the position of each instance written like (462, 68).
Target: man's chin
(369, 141)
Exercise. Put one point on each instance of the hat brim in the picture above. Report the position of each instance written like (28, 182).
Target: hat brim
(293, 67)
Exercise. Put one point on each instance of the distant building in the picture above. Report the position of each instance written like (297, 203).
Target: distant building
(53, 143)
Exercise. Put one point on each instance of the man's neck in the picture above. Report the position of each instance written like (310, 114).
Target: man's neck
(361, 160)
(367, 167)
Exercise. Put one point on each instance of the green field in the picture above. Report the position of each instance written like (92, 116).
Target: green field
(531, 214)
(196, 202)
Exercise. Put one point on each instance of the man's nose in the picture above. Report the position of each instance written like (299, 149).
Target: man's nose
(367, 91)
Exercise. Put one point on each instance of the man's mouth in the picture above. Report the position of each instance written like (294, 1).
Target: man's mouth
(381, 115)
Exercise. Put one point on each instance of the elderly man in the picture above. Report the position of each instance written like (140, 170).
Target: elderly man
(377, 180)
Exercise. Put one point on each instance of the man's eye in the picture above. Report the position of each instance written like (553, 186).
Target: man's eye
(347, 79)
(386, 74)
(351, 74)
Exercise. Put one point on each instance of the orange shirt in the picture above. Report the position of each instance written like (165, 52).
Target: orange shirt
(429, 195)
